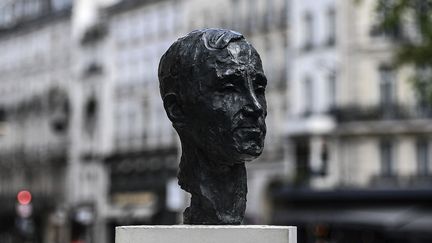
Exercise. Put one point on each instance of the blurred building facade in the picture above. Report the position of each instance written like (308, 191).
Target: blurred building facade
(144, 155)
(82, 126)
(315, 67)
(35, 110)
(125, 42)
(359, 135)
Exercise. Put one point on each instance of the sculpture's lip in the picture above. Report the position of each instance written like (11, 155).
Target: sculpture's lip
(249, 128)
(250, 132)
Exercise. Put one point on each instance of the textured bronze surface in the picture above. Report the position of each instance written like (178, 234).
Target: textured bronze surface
(213, 88)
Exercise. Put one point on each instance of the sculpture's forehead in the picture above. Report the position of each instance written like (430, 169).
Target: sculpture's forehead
(240, 52)
(238, 57)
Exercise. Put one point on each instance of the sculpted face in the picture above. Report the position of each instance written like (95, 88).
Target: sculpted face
(226, 108)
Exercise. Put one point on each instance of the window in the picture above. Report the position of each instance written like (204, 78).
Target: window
(131, 124)
(164, 20)
(324, 156)
(37, 8)
(302, 152)
(331, 27)
(7, 18)
(308, 31)
(235, 14)
(207, 22)
(269, 15)
(2, 17)
(2, 115)
(385, 8)
(308, 96)
(332, 90)
(28, 8)
(18, 10)
(252, 18)
(387, 87)
(422, 157)
(284, 14)
(386, 152)
(61, 4)
(90, 116)
(118, 127)
(422, 87)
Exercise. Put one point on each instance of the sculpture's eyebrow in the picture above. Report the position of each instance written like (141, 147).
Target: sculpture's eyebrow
(231, 75)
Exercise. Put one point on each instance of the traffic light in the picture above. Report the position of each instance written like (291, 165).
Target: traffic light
(24, 206)
(24, 197)
(24, 223)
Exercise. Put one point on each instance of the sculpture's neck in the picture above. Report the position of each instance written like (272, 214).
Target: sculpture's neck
(218, 192)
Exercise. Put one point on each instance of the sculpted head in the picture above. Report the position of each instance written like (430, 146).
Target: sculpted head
(212, 84)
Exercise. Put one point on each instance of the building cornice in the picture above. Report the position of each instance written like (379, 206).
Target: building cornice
(126, 5)
(29, 24)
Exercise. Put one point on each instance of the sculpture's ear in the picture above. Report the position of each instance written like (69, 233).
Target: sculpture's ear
(173, 109)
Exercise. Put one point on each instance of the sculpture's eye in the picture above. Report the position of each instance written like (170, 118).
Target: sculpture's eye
(260, 89)
(260, 84)
(228, 88)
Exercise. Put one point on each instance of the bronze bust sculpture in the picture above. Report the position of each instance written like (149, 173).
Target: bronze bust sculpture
(212, 84)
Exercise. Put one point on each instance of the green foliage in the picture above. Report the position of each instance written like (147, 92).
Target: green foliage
(413, 20)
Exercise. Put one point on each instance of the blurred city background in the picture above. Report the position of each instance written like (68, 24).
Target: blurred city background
(85, 144)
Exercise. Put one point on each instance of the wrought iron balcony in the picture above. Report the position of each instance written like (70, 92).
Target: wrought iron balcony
(380, 112)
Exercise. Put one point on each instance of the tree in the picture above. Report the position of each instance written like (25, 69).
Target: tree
(412, 21)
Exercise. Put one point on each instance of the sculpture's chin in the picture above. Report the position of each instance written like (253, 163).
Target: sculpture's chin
(250, 157)
(241, 156)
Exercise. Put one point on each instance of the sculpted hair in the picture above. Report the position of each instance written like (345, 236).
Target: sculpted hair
(178, 62)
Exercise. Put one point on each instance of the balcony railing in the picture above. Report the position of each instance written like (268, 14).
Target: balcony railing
(380, 112)
(401, 182)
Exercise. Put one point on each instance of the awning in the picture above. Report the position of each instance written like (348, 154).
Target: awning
(397, 219)
(389, 210)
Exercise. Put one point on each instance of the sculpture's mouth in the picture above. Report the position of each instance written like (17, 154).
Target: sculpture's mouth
(249, 132)
(250, 129)
(249, 140)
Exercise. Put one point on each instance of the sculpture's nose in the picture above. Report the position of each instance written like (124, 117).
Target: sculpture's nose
(253, 106)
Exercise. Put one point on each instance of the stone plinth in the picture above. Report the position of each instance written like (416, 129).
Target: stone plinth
(206, 234)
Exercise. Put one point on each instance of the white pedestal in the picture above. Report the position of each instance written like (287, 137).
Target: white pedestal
(206, 234)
